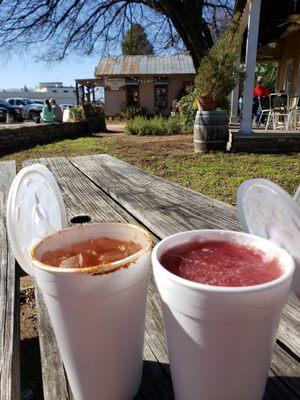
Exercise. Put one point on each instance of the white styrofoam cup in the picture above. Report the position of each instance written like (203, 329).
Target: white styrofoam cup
(220, 339)
(98, 318)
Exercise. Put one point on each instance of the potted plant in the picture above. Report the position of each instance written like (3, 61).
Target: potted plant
(76, 114)
(218, 74)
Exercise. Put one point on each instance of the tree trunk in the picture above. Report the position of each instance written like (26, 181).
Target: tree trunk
(187, 19)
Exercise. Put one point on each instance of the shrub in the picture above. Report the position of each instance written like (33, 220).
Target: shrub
(187, 110)
(132, 112)
(218, 74)
(156, 126)
(174, 125)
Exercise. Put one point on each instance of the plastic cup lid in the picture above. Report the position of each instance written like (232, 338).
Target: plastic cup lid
(35, 209)
(267, 210)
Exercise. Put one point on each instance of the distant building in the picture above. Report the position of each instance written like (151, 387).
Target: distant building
(44, 90)
(152, 82)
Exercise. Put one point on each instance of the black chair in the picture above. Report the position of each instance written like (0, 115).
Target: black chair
(265, 107)
(279, 114)
(279, 101)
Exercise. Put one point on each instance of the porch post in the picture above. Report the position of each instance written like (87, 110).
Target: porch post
(82, 94)
(88, 95)
(77, 95)
(251, 52)
(235, 99)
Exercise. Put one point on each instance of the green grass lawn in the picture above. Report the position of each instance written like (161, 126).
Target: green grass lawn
(215, 174)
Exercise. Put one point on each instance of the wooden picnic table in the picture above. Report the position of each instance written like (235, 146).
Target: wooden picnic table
(107, 189)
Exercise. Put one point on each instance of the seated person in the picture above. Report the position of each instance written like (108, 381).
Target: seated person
(47, 114)
(58, 115)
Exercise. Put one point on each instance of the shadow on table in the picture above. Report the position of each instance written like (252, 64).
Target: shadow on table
(31, 375)
(157, 385)
(156, 382)
(282, 388)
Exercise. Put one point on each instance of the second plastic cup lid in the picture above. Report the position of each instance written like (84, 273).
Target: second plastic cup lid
(266, 210)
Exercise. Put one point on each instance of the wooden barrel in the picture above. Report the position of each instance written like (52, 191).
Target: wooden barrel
(211, 131)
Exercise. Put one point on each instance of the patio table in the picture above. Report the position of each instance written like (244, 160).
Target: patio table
(107, 189)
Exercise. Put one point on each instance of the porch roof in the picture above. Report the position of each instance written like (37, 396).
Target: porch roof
(274, 25)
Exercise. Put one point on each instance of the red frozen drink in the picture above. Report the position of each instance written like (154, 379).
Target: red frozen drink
(221, 263)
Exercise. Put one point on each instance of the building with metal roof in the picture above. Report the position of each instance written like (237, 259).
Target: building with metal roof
(145, 65)
(151, 82)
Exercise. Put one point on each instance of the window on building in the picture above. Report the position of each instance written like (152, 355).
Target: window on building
(288, 76)
(132, 95)
(160, 93)
(66, 91)
(54, 91)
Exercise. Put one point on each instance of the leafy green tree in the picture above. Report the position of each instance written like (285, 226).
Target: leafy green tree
(268, 72)
(218, 74)
(136, 42)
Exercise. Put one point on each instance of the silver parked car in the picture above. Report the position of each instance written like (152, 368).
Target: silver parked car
(31, 109)
(41, 102)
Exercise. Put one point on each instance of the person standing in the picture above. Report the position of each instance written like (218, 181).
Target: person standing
(47, 114)
(259, 91)
(58, 115)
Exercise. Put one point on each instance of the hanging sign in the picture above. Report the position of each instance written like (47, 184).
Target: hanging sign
(114, 84)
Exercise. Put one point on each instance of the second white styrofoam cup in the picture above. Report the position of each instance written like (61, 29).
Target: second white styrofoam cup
(220, 339)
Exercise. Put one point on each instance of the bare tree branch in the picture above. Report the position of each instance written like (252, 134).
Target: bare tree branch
(84, 26)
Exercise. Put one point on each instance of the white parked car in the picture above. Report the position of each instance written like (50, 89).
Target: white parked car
(65, 106)
(30, 108)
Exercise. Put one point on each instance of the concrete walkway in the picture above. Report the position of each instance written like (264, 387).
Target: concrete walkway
(116, 128)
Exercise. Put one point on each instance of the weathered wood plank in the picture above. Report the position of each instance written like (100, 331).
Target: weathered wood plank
(289, 328)
(54, 380)
(284, 366)
(9, 303)
(163, 207)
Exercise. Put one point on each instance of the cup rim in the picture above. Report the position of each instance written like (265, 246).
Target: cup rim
(287, 271)
(95, 269)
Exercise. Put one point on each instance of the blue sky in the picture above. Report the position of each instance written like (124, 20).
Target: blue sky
(16, 72)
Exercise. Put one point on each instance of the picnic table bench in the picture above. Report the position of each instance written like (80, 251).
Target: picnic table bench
(107, 189)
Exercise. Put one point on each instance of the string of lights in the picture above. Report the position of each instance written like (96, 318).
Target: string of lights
(138, 80)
